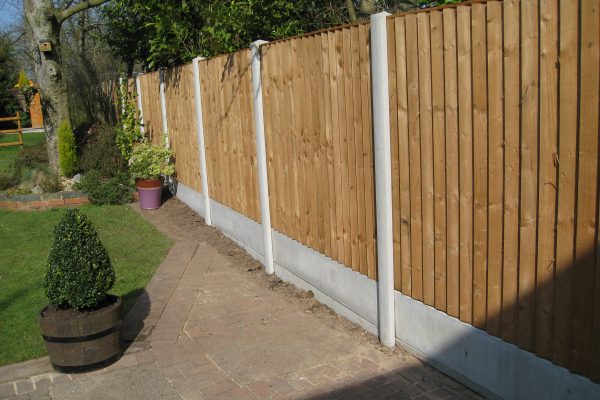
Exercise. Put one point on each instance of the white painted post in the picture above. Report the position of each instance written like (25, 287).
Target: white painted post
(383, 179)
(200, 132)
(163, 106)
(261, 154)
(138, 88)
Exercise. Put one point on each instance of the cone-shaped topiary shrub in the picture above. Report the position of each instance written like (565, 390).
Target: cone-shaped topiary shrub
(67, 155)
(79, 269)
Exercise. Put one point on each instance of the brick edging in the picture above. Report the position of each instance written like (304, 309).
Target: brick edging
(28, 202)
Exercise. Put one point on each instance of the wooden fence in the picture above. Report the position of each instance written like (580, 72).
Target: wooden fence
(181, 123)
(151, 109)
(319, 146)
(495, 171)
(494, 132)
(230, 139)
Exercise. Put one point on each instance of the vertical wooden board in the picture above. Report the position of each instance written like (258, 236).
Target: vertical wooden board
(425, 116)
(307, 154)
(403, 155)
(312, 154)
(465, 154)
(342, 71)
(266, 52)
(278, 110)
(323, 198)
(544, 309)
(224, 132)
(529, 170)
(587, 190)
(334, 51)
(286, 136)
(368, 158)
(229, 161)
(358, 151)
(250, 138)
(480, 164)
(495, 171)
(295, 135)
(233, 111)
(303, 194)
(391, 50)
(352, 193)
(567, 168)
(511, 170)
(412, 73)
(317, 106)
(330, 243)
(439, 157)
(452, 165)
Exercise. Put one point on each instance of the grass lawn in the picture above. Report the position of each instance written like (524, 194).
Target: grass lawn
(136, 248)
(7, 154)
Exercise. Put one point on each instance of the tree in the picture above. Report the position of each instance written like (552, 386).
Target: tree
(8, 78)
(44, 21)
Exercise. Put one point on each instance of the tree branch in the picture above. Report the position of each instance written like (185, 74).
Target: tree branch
(84, 5)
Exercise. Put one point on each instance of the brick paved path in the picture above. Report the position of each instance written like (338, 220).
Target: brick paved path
(208, 327)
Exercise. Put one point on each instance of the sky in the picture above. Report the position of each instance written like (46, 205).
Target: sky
(10, 12)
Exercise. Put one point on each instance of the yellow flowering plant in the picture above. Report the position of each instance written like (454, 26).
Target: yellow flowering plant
(26, 88)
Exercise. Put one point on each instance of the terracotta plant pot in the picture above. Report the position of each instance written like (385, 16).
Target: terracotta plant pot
(150, 191)
(82, 341)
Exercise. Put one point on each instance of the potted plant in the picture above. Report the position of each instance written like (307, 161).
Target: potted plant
(148, 165)
(81, 324)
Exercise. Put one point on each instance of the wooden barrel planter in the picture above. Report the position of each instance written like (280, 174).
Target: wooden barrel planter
(82, 341)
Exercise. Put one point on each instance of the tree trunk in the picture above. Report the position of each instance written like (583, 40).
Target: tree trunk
(44, 26)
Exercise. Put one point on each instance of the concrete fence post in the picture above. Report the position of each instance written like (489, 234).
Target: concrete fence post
(261, 154)
(200, 133)
(383, 179)
(163, 106)
(138, 88)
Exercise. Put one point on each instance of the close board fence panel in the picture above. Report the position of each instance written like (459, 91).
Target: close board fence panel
(181, 120)
(230, 138)
(494, 129)
(319, 143)
(150, 84)
(495, 159)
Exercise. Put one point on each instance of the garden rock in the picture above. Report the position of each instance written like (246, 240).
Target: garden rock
(37, 190)
(77, 178)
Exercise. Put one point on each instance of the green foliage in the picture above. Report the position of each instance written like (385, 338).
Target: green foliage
(79, 269)
(149, 161)
(100, 152)
(164, 33)
(50, 183)
(67, 154)
(23, 79)
(102, 191)
(8, 180)
(8, 76)
(32, 156)
(129, 132)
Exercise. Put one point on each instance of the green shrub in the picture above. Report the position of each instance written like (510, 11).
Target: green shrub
(50, 183)
(7, 180)
(129, 131)
(150, 161)
(32, 156)
(67, 154)
(100, 152)
(79, 269)
(101, 190)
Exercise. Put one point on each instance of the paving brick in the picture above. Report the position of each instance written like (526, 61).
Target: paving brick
(7, 389)
(23, 386)
(219, 388)
(264, 390)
